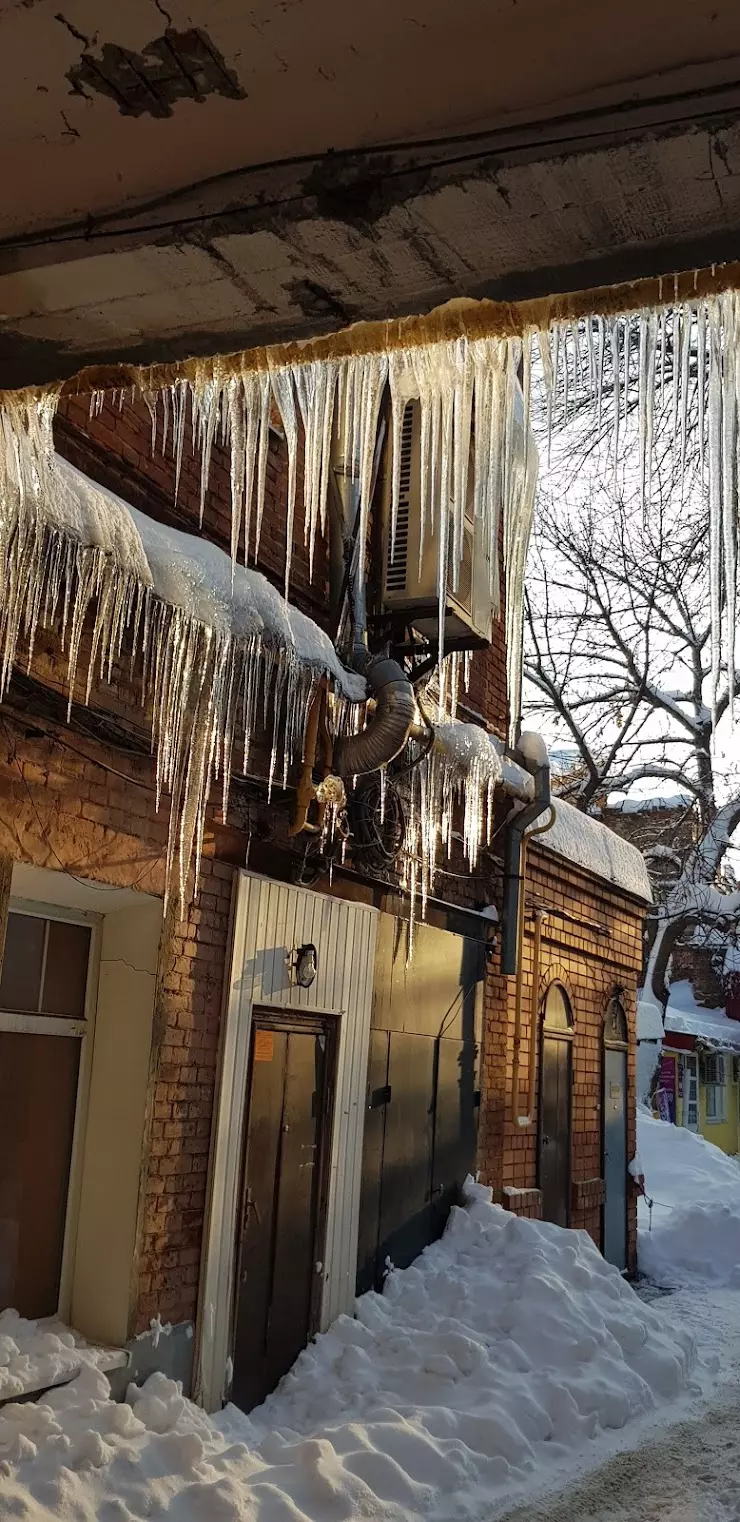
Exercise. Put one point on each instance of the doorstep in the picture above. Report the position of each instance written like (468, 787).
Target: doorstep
(38, 1368)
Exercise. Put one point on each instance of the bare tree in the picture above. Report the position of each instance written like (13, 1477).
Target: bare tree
(618, 659)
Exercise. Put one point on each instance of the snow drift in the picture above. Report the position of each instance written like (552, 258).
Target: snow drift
(695, 1236)
(508, 1344)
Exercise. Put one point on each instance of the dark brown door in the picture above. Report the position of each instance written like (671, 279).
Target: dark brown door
(554, 1139)
(279, 1265)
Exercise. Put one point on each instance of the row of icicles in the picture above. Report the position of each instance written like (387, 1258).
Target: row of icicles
(479, 389)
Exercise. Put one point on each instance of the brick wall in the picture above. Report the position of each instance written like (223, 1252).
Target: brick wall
(592, 943)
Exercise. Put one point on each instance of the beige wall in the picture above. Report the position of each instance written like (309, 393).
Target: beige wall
(106, 1231)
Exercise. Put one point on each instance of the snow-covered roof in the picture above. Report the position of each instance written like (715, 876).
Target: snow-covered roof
(685, 1017)
(628, 805)
(591, 845)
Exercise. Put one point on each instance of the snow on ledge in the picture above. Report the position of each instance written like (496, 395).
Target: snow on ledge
(591, 845)
(189, 572)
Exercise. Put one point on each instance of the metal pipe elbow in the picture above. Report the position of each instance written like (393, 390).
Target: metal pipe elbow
(389, 728)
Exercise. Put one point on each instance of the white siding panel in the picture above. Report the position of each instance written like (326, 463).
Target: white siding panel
(270, 920)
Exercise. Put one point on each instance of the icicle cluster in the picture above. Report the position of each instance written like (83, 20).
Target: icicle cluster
(466, 389)
(73, 557)
(463, 769)
(684, 358)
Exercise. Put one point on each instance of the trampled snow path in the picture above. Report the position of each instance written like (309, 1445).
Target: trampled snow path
(686, 1471)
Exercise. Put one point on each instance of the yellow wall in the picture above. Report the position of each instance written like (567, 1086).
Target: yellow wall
(109, 1195)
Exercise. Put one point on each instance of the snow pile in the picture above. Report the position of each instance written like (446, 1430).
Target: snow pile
(589, 844)
(695, 1236)
(507, 1346)
(649, 1017)
(684, 1016)
(34, 1355)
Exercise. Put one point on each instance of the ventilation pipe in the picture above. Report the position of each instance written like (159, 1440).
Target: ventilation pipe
(389, 728)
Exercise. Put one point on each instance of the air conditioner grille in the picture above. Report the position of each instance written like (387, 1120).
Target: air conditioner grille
(398, 553)
(463, 592)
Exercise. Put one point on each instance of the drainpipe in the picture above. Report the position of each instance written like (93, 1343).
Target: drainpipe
(512, 939)
(514, 866)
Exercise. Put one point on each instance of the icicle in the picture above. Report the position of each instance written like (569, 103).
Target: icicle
(600, 373)
(614, 340)
(646, 402)
(663, 348)
(282, 386)
(198, 682)
(675, 369)
(715, 495)
(686, 325)
(627, 340)
(701, 366)
(728, 309)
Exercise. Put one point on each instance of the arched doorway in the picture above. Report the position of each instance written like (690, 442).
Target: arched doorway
(555, 1105)
(615, 1133)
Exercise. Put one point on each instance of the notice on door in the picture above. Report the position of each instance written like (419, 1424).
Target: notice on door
(264, 1046)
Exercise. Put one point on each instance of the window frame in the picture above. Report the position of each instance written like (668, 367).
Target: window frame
(561, 1032)
(717, 1087)
(84, 1031)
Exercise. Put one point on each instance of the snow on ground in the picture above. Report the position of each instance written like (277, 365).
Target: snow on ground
(498, 1356)
(34, 1354)
(695, 1236)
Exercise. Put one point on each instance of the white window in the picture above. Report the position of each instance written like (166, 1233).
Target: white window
(45, 1019)
(716, 1091)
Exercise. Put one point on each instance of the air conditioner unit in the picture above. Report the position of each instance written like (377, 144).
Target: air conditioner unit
(409, 584)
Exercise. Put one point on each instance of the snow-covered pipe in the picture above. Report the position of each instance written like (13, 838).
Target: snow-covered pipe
(389, 728)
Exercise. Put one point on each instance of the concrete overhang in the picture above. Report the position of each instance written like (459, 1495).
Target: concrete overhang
(187, 178)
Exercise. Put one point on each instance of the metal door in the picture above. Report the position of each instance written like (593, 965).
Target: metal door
(281, 1225)
(422, 1095)
(554, 1137)
(615, 1156)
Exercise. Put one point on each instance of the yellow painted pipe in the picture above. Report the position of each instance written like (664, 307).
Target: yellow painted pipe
(305, 791)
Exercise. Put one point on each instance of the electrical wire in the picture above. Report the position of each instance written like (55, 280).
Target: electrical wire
(89, 232)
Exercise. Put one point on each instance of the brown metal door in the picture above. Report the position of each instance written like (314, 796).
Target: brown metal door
(282, 1204)
(554, 1139)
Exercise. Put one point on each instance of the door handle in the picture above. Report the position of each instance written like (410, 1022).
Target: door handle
(250, 1203)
